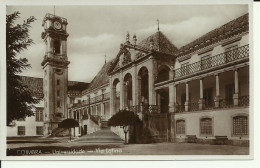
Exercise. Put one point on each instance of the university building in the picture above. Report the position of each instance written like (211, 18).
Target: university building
(199, 92)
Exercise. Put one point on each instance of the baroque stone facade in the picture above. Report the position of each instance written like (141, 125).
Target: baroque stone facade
(197, 93)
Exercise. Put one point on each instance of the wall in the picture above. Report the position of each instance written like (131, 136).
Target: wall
(30, 127)
(222, 120)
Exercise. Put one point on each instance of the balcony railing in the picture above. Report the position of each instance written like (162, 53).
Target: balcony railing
(98, 98)
(214, 61)
(243, 100)
(106, 96)
(194, 106)
(180, 108)
(145, 108)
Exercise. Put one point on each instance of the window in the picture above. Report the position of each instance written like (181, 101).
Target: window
(240, 125)
(39, 115)
(180, 127)
(58, 93)
(58, 103)
(206, 126)
(21, 130)
(57, 47)
(58, 82)
(39, 130)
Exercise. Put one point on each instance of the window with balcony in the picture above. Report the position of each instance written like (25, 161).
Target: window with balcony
(58, 103)
(21, 130)
(240, 125)
(208, 97)
(206, 126)
(180, 127)
(39, 130)
(57, 45)
(58, 82)
(230, 90)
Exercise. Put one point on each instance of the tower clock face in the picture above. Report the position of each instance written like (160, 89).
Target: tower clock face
(57, 25)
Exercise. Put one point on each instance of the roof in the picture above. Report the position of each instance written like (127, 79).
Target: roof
(232, 28)
(160, 43)
(35, 85)
(101, 78)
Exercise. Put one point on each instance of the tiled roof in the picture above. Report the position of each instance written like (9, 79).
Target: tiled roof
(36, 85)
(160, 43)
(101, 78)
(230, 29)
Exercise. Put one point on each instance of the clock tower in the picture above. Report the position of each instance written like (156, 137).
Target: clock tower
(55, 65)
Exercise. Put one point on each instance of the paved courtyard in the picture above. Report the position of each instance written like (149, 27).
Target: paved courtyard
(105, 142)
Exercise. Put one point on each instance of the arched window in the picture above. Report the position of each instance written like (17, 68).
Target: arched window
(180, 127)
(206, 126)
(240, 125)
(57, 47)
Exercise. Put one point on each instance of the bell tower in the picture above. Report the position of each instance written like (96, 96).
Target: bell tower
(55, 66)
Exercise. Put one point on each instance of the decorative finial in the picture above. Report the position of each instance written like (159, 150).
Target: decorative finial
(158, 25)
(105, 59)
(134, 39)
(54, 10)
(127, 37)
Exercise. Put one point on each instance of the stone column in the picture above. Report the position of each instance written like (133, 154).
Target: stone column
(175, 98)
(216, 100)
(171, 97)
(187, 102)
(122, 92)
(126, 87)
(112, 97)
(102, 108)
(236, 94)
(151, 75)
(135, 87)
(201, 100)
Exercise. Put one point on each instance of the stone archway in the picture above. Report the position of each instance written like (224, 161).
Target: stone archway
(128, 84)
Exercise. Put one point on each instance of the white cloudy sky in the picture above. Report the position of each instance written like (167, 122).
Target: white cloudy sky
(99, 30)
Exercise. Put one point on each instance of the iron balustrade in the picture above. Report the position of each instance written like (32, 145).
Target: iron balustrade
(93, 100)
(98, 98)
(224, 103)
(180, 108)
(145, 108)
(214, 61)
(243, 100)
(194, 106)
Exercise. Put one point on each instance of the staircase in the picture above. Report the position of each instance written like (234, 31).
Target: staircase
(59, 132)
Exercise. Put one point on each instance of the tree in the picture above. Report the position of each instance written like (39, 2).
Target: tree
(68, 124)
(20, 102)
(124, 119)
